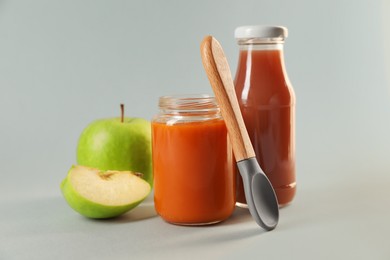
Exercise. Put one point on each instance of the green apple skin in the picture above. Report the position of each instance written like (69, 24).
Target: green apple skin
(109, 144)
(89, 208)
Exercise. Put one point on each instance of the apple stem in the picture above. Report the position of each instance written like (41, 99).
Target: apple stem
(122, 112)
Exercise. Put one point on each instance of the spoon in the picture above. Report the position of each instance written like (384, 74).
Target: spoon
(259, 194)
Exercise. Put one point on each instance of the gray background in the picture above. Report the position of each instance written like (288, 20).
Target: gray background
(64, 64)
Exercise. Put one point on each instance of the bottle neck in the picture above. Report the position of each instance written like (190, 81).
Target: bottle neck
(261, 73)
(262, 46)
(262, 56)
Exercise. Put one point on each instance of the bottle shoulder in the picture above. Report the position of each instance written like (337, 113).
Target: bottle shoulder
(263, 80)
(265, 93)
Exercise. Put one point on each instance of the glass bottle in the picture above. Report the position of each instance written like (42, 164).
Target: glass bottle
(267, 103)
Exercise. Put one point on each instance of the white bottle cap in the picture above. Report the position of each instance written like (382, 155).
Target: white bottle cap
(273, 33)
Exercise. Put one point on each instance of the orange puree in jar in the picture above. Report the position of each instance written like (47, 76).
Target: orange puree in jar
(194, 181)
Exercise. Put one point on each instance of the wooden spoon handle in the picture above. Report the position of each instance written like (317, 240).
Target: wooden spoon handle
(218, 72)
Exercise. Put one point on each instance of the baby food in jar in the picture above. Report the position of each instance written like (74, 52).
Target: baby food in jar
(194, 179)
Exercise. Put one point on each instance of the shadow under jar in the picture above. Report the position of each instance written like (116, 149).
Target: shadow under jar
(193, 166)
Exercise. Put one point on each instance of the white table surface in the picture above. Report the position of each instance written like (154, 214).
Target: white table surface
(343, 220)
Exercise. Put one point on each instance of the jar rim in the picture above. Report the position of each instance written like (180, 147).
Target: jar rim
(188, 102)
(175, 109)
(194, 96)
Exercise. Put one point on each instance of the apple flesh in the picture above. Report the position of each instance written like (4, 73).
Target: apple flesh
(122, 144)
(103, 194)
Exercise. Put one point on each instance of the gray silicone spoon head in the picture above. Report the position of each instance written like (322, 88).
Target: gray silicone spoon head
(259, 194)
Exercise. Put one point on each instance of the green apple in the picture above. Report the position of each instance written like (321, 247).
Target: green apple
(122, 144)
(103, 194)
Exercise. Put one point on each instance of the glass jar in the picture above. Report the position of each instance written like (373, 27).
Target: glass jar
(267, 103)
(194, 180)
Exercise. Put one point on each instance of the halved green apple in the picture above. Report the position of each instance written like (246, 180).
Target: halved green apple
(103, 194)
